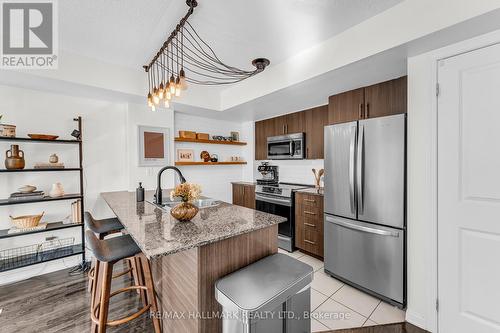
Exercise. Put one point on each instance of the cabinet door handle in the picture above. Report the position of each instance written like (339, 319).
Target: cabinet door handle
(310, 225)
(309, 200)
(310, 242)
(284, 129)
(367, 110)
(310, 213)
(360, 112)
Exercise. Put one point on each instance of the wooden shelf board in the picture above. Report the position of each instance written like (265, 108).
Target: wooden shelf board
(210, 163)
(51, 226)
(40, 170)
(38, 140)
(214, 142)
(7, 202)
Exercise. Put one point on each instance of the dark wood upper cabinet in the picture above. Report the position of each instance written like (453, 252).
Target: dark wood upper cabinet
(315, 121)
(386, 98)
(260, 140)
(346, 106)
(295, 122)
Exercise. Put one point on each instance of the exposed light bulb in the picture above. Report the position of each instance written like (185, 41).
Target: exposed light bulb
(150, 100)
(183, 81)
(153, 108)
(167, 103)
(178, 87)
(161, 91)
(156, 99)
(168, 95)
(172, 84)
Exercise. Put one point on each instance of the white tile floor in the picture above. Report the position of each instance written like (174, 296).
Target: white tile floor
(336, 305)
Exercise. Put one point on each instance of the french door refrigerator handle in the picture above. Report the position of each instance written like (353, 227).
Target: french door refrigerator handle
(352, 161)
(362, 228)
(360, 168)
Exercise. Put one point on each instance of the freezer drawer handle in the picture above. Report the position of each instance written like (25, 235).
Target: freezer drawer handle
(364, 229)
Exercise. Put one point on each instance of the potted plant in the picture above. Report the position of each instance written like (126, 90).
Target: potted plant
(188, 192)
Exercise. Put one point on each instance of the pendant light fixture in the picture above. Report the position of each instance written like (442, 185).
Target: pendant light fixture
(185, 58)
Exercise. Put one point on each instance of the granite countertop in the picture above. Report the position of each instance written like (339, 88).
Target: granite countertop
(312, 190)
(157, 233)
(245, 183)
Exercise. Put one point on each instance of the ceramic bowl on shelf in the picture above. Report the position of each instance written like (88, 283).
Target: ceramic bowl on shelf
(27, 189)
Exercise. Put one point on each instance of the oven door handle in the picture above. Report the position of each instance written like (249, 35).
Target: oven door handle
(273, 199)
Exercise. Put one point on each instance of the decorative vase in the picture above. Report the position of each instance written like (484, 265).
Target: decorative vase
(184, 211)
(14, 158)
(56, 191)
(53, 158)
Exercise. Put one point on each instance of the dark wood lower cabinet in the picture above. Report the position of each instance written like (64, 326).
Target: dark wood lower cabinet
(244, 195)
(309, 223)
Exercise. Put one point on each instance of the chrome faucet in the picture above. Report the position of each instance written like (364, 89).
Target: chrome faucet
(158, 194)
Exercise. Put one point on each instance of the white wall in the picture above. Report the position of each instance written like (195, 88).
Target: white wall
(422, 179)
(215, 179)
(109, 148)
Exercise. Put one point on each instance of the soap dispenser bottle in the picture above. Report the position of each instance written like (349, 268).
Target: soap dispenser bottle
(139, 193)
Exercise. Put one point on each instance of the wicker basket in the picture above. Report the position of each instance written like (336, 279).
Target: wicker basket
(28, 221)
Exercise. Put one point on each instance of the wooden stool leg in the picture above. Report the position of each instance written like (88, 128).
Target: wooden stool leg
(107, 276)
(96, 291)
(92, 265)
(148, 280)
(139, 279)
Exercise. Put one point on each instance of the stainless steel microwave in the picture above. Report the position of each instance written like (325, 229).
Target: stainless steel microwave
(286, 147)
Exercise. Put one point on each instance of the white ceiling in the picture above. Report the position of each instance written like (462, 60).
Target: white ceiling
(128, 32)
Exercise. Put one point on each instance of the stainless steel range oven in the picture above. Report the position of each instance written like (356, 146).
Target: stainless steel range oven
(279, 200)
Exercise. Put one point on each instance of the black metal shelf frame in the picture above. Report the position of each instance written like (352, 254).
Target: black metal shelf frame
(78, 249)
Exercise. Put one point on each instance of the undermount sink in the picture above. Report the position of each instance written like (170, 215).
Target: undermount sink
(200, 203)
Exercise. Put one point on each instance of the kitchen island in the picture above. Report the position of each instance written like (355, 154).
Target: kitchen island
(188, 257)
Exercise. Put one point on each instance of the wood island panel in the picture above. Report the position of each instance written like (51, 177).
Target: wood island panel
(185, 281)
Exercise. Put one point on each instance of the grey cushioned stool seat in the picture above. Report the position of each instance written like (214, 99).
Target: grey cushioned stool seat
(104, 226)
(112, 249)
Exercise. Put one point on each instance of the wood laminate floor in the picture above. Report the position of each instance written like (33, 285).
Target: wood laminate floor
(58, 302)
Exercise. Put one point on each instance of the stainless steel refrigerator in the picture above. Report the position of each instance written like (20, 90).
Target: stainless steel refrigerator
(365, 205)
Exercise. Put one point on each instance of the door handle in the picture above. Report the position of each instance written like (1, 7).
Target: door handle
(310, 242)
(367, 110)
(309, 200)
(310, 225)
(363, 228)
(360, 168)
(360, 112)
(309, 213)
(352, 149)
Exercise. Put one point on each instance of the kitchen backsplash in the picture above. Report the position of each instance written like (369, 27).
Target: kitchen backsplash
(294, 171)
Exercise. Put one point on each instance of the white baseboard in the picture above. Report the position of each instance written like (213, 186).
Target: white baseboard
(416, 319)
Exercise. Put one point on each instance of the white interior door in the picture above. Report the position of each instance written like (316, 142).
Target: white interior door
(469, 192)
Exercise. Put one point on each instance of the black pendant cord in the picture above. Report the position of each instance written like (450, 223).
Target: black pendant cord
(186, 57)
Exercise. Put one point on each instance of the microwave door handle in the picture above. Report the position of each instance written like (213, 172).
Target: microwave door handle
(352, 152)
(292, 150)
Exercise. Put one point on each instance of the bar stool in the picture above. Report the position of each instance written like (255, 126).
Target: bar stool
(103, 228)
(108, 252)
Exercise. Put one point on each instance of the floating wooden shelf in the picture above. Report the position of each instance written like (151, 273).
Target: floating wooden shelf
(214, 142)
(209, 163)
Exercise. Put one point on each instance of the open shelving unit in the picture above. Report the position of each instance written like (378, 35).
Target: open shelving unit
(54, 254)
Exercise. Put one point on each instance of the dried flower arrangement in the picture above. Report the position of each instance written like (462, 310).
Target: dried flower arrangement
(186, 191)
